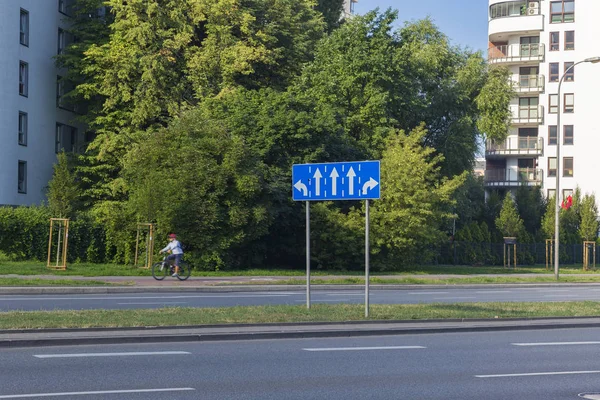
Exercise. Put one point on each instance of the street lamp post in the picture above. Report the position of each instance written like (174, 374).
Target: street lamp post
(592, 60)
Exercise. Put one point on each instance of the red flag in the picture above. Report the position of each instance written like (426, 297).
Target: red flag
(567, 203)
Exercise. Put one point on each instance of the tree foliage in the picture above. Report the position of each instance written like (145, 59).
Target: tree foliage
(493, 103)
(509, 223)
(63, 189)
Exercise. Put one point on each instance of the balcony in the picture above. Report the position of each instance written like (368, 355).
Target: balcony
(516, 146)
(527, 115)
(513, 177)
(529, 84)
(516, 23)
(516, 53)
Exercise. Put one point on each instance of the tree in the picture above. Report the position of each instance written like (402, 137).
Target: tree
(493, 104)
(332, 12)
(509, 223)
(412, 209)
(63, 189)
(588, 228)
(530, 204)
(163, 57)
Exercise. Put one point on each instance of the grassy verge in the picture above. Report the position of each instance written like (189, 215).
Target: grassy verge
(88, 269)
(50, 282)
(278, 314)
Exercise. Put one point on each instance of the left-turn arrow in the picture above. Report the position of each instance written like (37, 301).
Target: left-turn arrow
(301, 187)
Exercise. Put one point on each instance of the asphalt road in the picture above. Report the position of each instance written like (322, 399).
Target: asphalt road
(553, 364)
(295, 297)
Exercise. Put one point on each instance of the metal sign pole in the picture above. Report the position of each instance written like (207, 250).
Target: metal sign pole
(308, 254)
(367, 258)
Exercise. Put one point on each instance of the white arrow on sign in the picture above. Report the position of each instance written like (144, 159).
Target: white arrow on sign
(334, 175)
(301, 187)
(371, 183)
(318, 177)
(351, 174)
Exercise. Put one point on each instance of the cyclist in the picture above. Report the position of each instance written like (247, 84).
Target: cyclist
(174, 247)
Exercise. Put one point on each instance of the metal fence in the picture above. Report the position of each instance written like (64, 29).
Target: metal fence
(466, 253)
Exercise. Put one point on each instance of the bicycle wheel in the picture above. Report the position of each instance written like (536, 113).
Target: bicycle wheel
(184, 271)
(160, 270)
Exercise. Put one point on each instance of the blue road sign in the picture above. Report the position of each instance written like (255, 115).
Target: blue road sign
(336, 181)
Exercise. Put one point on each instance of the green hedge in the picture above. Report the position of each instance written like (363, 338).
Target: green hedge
(24, 236)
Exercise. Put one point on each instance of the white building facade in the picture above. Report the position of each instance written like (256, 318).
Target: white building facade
(34, 123)
(538, 41)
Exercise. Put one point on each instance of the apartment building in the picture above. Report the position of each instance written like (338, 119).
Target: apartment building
(34, 122)
(348, 9)
(538, 41)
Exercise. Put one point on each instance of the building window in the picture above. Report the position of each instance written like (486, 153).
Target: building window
(22, 177)
(568, 167)
(568, 134)
(569, 40)
(562, 11)
(22, 128)
(65, 138)
(552, 104)
(66, 6)
(551, 193)
(567, 193)
(60, 90)
(528, 108)
(553, 76)
(61, 41)
(24, 27)
(552, 135)
(569, 76)
(23, 78)
(551, 166)
(554, 41)
(569, 103)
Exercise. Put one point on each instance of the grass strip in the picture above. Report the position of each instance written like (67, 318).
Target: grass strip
(279, 314)
(51, 282)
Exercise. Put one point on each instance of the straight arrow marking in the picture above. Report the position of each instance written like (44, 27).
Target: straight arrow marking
(334, 175)
(351, 175)
(318, 177)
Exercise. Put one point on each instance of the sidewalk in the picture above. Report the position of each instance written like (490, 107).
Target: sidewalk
(70, 337)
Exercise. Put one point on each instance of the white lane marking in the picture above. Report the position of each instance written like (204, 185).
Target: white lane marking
(126, 354)
(538, 374)
(453, 298)
(327, 301)
(554, 344)
(346, 294)
(216, 296)
(427, 292)
(493, 291)
(363, 348)
(33, 395)
(157, 302)
(562, 295)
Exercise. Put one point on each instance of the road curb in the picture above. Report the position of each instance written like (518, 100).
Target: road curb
(303, 331)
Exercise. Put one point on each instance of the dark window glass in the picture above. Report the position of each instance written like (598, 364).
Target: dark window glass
(570, 40)
(554, 41)
(553, 76)
(568, 134)
(552, 135)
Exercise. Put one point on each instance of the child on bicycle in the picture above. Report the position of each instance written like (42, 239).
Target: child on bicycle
(174, 247)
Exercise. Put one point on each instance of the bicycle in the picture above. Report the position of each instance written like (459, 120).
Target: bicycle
(164, 267)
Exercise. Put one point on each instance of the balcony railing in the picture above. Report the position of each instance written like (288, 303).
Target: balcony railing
(513, 177)
(532, 146)
(516, 53)
(527, 115)
(529, 84)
